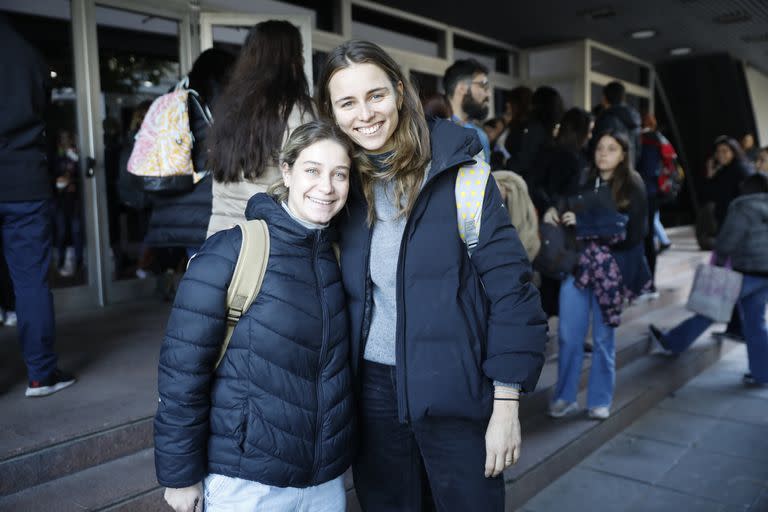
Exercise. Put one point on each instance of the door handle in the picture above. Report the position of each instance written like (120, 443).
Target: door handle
(90, 167)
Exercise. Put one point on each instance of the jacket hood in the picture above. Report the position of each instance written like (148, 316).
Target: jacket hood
(756, 205)
(628, 116)
(265, 207)
(451, 144)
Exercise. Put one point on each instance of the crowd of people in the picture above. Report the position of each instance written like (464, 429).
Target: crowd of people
(402, 313)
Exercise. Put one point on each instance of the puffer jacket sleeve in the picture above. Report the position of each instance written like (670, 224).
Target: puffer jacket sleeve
(517, 326)
(733, 232)
(189, 351)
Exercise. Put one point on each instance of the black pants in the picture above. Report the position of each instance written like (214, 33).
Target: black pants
(394, 458)
(650, 246)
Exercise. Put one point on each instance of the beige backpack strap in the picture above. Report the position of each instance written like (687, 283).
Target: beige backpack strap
(470, 192)
(248, 276)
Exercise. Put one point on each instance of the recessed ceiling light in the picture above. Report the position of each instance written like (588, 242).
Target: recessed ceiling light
(54, 74)
(676, 52)
(643, 34)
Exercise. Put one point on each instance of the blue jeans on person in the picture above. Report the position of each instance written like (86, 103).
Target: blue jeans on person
(398, 464)
(576, 307)
(751, 308)
(225, 493)
(658, 230)
(26, 241)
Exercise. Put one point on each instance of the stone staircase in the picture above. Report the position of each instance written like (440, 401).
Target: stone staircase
(90, 447)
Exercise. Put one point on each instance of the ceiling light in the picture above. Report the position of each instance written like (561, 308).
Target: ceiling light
(643, 34)
(677, 52)
(147, 83)
(54, 74)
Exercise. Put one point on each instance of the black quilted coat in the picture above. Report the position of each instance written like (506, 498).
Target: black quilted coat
(278, 410)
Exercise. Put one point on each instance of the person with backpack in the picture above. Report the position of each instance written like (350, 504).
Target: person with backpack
(561, 170)
(446, 326)
(180, 219)
(265, 100)
(660, 172)
(609, 218)
(256, 409)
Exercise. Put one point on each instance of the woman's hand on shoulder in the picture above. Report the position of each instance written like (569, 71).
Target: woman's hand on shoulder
(551, 216)
(185, 499)
(569, 219)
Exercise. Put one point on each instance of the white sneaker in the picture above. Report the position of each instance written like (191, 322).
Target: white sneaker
(560, 408)
(10, 319)
(68, 268)
(599, 413)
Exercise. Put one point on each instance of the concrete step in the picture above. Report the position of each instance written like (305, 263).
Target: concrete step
(124, 484)
(73, 455)
(552, 447)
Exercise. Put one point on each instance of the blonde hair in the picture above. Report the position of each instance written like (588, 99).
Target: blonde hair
(411, 137)
(299, 140)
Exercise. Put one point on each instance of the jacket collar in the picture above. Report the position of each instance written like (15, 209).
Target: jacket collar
(265, 207)
(452, 145)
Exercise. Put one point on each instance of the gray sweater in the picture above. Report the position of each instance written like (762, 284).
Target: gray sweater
(385, 251)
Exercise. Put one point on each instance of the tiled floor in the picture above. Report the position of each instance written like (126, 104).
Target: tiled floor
(705, 448)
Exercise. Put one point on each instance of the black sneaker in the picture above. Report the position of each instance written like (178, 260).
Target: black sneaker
(57, 381)
(657, 342)
(733, 336)
(752, 382)
(663, 247)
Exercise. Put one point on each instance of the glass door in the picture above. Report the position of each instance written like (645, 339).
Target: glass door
(229, 30)
(51, 29)
(135, 57)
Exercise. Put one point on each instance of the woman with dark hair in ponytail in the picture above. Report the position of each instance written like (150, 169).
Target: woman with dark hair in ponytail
(267, 97)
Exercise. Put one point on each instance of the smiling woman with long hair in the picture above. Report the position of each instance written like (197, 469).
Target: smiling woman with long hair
(266, 98)
(441, 342)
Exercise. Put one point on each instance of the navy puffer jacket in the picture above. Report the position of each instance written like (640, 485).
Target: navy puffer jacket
(278, 410)
(461, 323)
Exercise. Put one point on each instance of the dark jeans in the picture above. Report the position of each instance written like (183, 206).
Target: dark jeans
(26, 234)
(753, 299)
(394, 458)
(650, 246)
(69, 226)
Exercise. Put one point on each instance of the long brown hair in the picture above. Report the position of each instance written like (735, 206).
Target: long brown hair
(623, 175)
(411, 137)
(251, 115)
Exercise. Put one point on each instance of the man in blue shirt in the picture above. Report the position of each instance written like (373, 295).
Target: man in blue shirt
(468, 91)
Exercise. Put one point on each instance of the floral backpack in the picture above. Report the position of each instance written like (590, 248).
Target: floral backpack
(161, 159)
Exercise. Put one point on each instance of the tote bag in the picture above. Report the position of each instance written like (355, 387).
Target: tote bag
(715, 292)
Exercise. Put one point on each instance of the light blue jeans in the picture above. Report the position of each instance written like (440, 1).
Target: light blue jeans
(576, 307)
(227, 494)
(658, 230)
(751, 306)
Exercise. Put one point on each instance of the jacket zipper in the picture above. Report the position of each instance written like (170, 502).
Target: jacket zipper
(403, 412)
(323, 346)
(367, 304)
